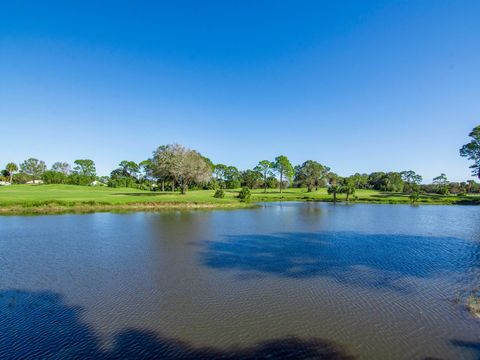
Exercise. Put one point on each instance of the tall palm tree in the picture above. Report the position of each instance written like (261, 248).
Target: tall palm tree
(11, 168)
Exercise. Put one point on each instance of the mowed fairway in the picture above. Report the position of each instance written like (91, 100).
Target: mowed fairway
(56, 198)
(34, 195)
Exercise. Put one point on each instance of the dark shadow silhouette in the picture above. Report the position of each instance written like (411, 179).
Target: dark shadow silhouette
(39, 325)
(473, 346)
(373, 260)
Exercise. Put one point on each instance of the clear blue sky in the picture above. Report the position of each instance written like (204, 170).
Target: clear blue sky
(359, 86)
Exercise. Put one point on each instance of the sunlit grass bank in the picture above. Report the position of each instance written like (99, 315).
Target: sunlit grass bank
(19, 199)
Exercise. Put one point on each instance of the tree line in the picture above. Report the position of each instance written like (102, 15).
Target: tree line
(175, 167)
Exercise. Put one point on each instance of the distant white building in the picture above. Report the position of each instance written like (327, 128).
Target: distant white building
(34, 182)
(97, 183)
(4, 183)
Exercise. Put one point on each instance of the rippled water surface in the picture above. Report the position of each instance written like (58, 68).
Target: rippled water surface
(294, 280)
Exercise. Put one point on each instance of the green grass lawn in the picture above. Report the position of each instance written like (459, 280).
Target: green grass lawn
(372, 196)
(54, 198)
(37, 194)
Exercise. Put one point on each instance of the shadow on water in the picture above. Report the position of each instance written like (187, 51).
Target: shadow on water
(373, 260)
(40, 325)
(470, 345)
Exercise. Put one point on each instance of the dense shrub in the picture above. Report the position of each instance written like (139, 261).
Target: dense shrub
(244, 194)
(122, 182)
(21, 178)
(219, 194)
(272, 182)
(54, 177)
(78, 179)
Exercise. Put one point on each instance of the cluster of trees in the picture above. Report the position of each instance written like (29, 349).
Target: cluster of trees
(174, 167)
(264, 175)
(32, 170)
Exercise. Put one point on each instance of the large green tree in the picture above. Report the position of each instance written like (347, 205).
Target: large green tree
(472, 151)
(284, 169)
(33, 167)
(412, 180)
(11, 169)
(227, 176)
(265, 167)
(250, 178)
(441, 184)
(184, 166)
(129, 168)
(311, 174)
(85, 167)
(334, 190)
(62, 167)
(348, 187)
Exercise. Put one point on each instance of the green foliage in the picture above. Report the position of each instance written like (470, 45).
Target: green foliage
(472, 151)
(33, 167)
(265, 168)
(129, 168)
(228, 177)
(334, 190)
(54, 177)
(284, 169)
(245, 194)
(348, 188)
(11, 168)
(414, 195)
(311, 174)
(62, 167)
(20, 178)
(411, 177)
(391, 181)
(272, 182)
(180, 165)
(85, 167)
(441, 184)
(122, 182)
(126, 175)
(360, 180)
(219, 194)
(250, 178)
(79, 179)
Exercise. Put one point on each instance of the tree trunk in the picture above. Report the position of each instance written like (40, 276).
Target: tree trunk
(184, 188)
(163, 185)
(11, 177)
(265, 183)
(348, 194)
(173, 185)
(281, 180)
(334, 196)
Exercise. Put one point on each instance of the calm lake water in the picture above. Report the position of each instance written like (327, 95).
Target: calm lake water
(291, 280)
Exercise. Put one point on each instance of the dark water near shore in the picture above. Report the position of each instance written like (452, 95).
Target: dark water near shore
(292, 280)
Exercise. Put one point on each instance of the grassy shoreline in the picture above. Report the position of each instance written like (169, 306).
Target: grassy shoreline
(55, 199)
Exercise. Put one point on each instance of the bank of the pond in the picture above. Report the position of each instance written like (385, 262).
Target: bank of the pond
(54, 199)
(58, 208)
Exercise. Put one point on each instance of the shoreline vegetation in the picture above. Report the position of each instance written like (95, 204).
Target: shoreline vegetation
(176, 177)
(57, 199)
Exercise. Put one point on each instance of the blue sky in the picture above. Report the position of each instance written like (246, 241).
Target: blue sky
(359, 86)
